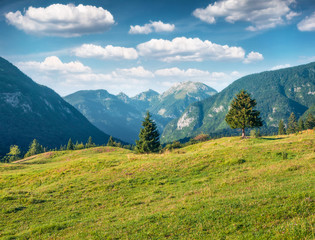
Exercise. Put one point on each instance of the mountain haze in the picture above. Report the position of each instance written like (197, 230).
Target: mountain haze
(121, 116)
(29, 110)
(278, 93)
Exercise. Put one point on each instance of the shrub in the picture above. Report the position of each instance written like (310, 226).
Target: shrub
(202, 137)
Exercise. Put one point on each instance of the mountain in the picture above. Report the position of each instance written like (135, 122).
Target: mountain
(278, 93)
(29, 110)
(121, 116)
(115, 115)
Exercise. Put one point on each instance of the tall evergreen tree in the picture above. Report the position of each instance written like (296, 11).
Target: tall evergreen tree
(281, 130)
(149, 137)
(35, 148)
(242, 114)
(292, 124)
(70, 145)
(110, 142)
(309, 121)
(300, 124)
(89, 143)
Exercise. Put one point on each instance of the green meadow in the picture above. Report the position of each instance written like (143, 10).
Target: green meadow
(227, 188)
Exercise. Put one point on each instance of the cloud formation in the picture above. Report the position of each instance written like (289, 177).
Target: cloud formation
(261, 14)
(157, 26)
(54, 64)
(253, 57)
(280, 66)
(176, 72)
(188, 49)
(307, 24)
(108, 52)
(62, 20)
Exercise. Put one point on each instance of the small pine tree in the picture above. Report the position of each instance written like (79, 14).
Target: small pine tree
(281, 130)
(242, 114)
(110, 142)
(70, 145)
(292, 124)
(13, 155)
(89, 143)
(300, 124)
(309, 121)
(149, 137)
(35, 148)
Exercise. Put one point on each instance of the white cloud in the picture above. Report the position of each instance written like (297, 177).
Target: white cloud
(176, 72)
(307, 24)
(108, 52)
(152, 26)
(280, 66)
(253, 57)
(188, 49)
(62, 20)
(261, 14)
(54, 64)
(133, 72)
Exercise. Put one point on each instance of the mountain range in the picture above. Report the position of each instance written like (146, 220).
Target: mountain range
(121, 116)
(31, 111)
(278, 93)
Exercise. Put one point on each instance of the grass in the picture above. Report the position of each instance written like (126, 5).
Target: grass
(220, 189)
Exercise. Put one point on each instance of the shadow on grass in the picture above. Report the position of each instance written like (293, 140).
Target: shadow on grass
(267, 138)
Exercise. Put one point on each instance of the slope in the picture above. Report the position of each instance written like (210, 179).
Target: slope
(221, 189)
(278, 93)
(29, 110)
(115, 116)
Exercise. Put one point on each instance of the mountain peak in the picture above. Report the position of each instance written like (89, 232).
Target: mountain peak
(147, 95)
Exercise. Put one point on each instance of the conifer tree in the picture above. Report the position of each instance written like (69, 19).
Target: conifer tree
(70, 145)
(292, 124)
(300, 124)
(149, 137)
(281, 130)
(89, 143)
(242, 114)
(309, 121)
(35, 148)
(110, 142)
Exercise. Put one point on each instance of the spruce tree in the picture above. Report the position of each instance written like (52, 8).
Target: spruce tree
(281, 130)
(292, 124)
(89, 143)
(309, 121)
(149, 137)
(35, 148)
(300, 124)
(110, 142)
(242, 114)
(70, 145)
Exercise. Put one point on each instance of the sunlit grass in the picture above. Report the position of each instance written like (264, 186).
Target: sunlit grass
(221, 189)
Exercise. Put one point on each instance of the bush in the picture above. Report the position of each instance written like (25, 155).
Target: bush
(173, 145)
(202, 137)
(255, 133)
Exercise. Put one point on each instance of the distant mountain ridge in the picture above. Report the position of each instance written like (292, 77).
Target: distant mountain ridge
(121, 116)
(29, 110)
(278, 93)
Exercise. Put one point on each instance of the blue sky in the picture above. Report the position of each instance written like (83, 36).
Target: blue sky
(133, 46)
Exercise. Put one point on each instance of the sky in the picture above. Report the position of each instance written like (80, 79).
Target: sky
(131, 46)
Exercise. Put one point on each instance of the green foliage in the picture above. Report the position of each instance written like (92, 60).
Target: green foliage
(242, 114)
(292, 124)
(149, 137)
(300, 124)
(89, 143)
(255, 133)
(13, 155)
(110, 142)
(35, 148)
(173, 145)
(70, 145)
(79, 146)
(281, 129)
(310, 121)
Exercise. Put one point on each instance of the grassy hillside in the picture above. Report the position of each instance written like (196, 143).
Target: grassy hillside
(221, 189)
